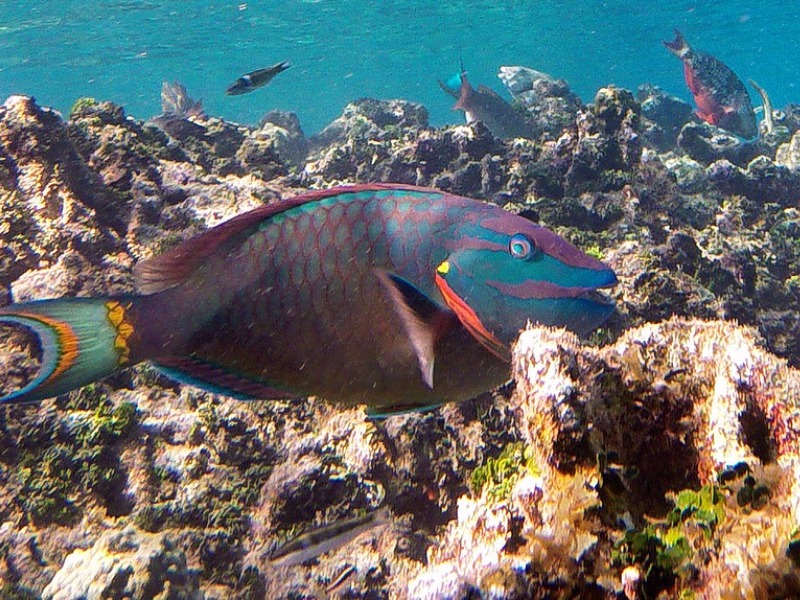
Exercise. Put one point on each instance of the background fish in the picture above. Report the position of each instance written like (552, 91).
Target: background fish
(720, 95)
(386, 295)
(175, 101)
(486, 106)
(325, 538)
(256, 79)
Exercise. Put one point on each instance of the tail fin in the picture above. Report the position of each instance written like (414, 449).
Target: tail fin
(678, 46)
(82, 339)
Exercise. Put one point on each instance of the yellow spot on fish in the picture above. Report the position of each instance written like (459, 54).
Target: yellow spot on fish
(116, 316)
(444, 268)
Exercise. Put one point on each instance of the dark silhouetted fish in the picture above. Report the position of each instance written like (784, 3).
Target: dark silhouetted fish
(348, 293)
(256, 79)
(719, 94)
(486, 106)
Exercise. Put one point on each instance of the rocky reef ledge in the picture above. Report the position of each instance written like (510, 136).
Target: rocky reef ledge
(657, 459)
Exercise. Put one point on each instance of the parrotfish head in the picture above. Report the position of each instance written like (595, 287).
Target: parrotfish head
(503, 271)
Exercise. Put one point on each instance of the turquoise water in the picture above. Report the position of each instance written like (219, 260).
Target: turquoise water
(119, 50)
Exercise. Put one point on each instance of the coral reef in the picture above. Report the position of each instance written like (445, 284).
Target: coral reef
(659, 458)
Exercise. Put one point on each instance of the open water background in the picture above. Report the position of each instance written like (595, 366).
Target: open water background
(122, 50)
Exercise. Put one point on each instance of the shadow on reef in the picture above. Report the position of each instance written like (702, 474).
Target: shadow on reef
(563, 486)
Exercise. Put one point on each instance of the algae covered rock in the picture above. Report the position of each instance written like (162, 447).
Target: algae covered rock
(669, 452)
(127, 564)
(549, 103)
(665, 115)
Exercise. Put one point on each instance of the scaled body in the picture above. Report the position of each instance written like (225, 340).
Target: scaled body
(720, 95)
(391, 296)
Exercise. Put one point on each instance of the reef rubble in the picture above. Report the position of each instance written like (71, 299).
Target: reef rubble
(659, 458)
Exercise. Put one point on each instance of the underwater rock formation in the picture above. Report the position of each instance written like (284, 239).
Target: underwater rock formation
(550, 104)
(671, 449)
(665, 116)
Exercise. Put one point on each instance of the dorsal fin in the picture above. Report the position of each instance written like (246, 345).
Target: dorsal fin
(482, 89)
(167, 270)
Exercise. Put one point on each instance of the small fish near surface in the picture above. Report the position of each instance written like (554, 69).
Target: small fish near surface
(388, 295)
(325, 538)
(486, 106)
(256, 79)
(719, 94)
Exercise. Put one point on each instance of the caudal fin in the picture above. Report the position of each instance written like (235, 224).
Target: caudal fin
(678, 46)
(82, 339)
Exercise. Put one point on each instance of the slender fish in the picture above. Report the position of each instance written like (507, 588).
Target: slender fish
(256, 79)
(337, 585)
(323, 539)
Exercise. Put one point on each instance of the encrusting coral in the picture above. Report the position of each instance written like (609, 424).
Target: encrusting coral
(663, 463)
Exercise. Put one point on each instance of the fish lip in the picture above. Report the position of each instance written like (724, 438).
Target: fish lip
(596, 297)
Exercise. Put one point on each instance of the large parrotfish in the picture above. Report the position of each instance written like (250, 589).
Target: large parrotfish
(720, 95)
(393, 296)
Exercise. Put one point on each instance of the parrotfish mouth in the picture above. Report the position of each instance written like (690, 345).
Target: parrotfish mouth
(528, 290)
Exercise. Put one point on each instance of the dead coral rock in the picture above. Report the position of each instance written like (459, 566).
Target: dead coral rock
(287, 136)
(125, 564)
(71, 275)
(550, 104)
(761, 180)
(703, 394)
(210, 142)
(371, 141)
(664, 116)
(47, 168)
(788, 154)
(706, 143)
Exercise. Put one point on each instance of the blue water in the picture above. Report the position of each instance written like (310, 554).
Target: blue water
(118, 50)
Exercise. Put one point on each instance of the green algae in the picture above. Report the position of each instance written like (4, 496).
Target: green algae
(499, 474)
(665, 549)
(80, 105)
(81, 456)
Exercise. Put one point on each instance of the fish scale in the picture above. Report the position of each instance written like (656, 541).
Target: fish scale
(387, 295)
(720, 95)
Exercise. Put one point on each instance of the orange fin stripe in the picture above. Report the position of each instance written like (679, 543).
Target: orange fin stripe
(67, 340)
(470, 320)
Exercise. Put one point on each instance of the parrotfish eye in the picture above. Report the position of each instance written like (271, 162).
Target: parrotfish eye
(520, 246)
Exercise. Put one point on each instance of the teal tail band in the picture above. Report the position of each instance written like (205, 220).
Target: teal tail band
(82, 339)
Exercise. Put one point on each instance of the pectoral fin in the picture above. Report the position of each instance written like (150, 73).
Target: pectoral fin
(424, 321)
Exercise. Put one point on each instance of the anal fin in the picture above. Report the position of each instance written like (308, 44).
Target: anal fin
(215, 378)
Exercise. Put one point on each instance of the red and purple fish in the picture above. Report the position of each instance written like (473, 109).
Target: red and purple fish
(720, 95)
(387, 295)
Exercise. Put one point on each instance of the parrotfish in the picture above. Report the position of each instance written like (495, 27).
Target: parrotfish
(325, 538)
(256, 79)
(719, 94)
(392, 296)
(486, 106)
